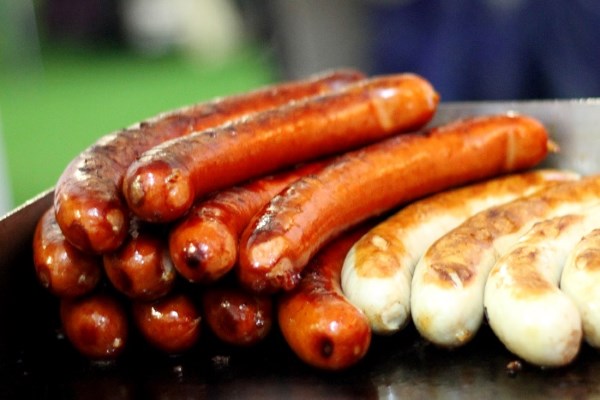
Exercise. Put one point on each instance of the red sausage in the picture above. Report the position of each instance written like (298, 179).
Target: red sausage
(163, 183)
(204, 245)
(317, 321)
(292, 228)
(237, 317)
(62, 269)
(89, 207)
(170, 324)
(142, 268)
(96, 326)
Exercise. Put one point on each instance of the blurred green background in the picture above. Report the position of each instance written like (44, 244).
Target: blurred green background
(59, 92)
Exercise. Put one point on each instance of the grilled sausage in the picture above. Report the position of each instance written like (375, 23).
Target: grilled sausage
(448, 282)
(96, 325)
(525, 308)
(89, 206)
(204, 245)
(142, 268)
(378, 270)
(289, 231)
(237, 317)
(62, 269)
(163, 183)
(317, 321)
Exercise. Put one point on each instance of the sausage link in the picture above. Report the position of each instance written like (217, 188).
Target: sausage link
(317, 321)
(96, 325)
(449, 281)
(378, 270)
(525, 308)
(142, 268)
(204, 245)
(237, 317)
(163, 183)
(170, 324)
(290, 230)
(62, 269)
(88, 201)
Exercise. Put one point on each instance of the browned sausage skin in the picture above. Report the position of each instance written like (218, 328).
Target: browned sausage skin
(62, 269)
(317, 321)
(89, 206)
(163, 183)
(96, 325)
(142, 268)
(204, 245)
(237, 317)
(290, 230)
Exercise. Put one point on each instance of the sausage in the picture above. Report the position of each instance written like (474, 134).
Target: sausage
(524, 306)
(580, 280)
(142, 268)
(62, 269)
(163, 183)
(204, 245)
(237, 317)
(448, 282)
(289, 231)
(170, 324)
(89, 206)
(317, 321)
(96, 325)
(378, 270)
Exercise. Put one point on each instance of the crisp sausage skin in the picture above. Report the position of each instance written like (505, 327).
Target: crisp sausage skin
(89, 206)
(282, 238)
(60, 267)
(237, 317)
(449, 280)
(96, 325)
(523, 303)
(204, 244)
(164, 182)
(378, 270)
(317, 321)
(142, 268)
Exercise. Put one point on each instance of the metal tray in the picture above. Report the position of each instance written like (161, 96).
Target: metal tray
(37, 362)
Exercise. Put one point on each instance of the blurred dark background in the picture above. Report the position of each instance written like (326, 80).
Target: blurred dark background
(73, 70)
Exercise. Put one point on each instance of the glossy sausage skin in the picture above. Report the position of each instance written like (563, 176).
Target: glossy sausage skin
(96, 325)
(142, 268)
(62, 269)
(290, 230)
(237, 317)
(89, 207)
(163, 183)
(317, 321)
(204, 245)
(170, 324)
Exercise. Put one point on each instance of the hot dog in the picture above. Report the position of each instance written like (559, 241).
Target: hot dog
(580, 280)
(170, 324)
(378, 270)
(237, 317)
(204, 245)
(142, 268)
(89, 206)
(448, 282)
(95, 325)
(62, 269)
(163, 183)
(289, 231)
(317, 321)
(525, 308)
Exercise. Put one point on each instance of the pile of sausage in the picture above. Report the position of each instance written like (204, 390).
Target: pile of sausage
(321, 207)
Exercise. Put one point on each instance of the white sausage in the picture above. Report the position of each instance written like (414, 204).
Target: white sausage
(449, 280)
(378, 270)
